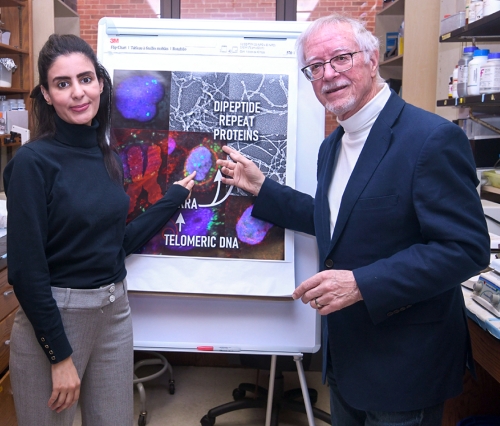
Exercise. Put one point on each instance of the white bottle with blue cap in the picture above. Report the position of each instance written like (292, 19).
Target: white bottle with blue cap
(480, 56)
(489, 80)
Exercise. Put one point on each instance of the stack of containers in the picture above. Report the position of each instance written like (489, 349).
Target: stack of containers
(14, 112)
(11, 104)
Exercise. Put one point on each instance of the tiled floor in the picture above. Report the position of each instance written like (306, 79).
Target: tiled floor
(198, 389)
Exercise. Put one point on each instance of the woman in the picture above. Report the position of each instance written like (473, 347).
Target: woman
(67, 243)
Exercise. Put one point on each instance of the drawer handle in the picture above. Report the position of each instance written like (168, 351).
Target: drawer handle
(8, 293)
(7, 343)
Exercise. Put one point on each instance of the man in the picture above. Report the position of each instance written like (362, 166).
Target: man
(399, 226)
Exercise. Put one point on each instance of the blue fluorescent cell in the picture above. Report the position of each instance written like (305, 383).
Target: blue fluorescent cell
(197, 224)
(199, 160)
(171, 145)
(136, 98)
(251, 230)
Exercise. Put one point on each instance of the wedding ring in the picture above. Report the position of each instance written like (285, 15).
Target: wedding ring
(319, 305)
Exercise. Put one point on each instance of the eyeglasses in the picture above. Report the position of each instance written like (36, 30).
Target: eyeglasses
(340, 63)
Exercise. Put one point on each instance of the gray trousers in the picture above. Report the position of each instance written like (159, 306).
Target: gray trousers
(99, 328)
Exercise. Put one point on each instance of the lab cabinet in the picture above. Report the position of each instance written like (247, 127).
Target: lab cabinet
(480, 395)
(8, 308)
(416, 66)
(16, 16)
(485, 145)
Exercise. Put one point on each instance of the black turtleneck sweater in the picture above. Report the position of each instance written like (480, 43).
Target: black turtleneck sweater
(66, 225)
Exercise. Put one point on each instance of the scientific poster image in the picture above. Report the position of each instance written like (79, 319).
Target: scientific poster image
(167, 124)
(141, 99)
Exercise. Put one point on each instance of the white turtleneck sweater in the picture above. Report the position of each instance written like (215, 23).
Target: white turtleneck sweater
(356, 130)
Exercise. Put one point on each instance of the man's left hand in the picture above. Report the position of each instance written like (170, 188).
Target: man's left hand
(329, 291)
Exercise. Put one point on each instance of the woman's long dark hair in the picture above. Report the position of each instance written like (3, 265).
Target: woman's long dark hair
(44, 114)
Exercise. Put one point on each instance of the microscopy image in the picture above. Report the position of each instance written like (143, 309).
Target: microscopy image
(168, 124)
(247, 111)
(224, 231)
(144, 154)
(141, 99)
(251, 230)
(196, 152)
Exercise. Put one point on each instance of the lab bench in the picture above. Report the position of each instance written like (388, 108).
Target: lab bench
(481, 394)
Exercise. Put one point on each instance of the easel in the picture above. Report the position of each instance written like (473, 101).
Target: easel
(164, 319)
(272, 374)
(303, 385)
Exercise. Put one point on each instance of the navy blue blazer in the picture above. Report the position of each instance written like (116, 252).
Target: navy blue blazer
(411, 228)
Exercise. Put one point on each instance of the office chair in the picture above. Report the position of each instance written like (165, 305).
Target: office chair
(282, 400)
(160, 360)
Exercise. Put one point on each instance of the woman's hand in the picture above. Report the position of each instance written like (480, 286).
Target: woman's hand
(65, 385)
(187, 182)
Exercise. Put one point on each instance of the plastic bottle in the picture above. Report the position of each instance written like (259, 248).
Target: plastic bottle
(490, 7)
(479, 9)
(463, 70)
(401, 38)
(450, 87)
(480, 57)
(489, 81)
(2, 124)
(472, 11)
(455, 82)
(467, 8)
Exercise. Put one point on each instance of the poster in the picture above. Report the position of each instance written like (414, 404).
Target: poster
(167, 124)
(178, 100)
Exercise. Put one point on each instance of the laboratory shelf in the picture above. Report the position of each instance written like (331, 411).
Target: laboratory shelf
(490, 99)
(485, 29)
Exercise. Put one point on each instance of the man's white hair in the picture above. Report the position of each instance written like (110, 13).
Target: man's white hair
(365, 40)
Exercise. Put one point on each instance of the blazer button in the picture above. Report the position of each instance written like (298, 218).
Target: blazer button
(329, 263)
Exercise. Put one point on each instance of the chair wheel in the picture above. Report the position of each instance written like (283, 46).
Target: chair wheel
(142, 419)
(171, 387)
(207, 421)
(313, 396)
(238, 394)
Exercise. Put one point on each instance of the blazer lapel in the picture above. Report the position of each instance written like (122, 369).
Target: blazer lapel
(373, 152)
(323, 234)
